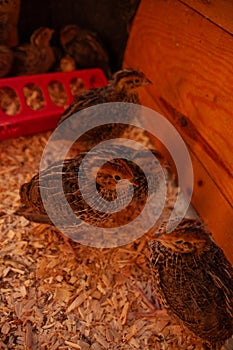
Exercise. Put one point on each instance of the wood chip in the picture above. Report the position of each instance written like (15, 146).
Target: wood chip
(5, 328)
(28, 336)
(124, 313)
(73, 345)
(77, 302)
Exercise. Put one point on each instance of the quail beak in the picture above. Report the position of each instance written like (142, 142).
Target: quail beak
(132, 181)
(152, 236)
(147, 82)
(51, 31)
(135, 182)
(159, 237)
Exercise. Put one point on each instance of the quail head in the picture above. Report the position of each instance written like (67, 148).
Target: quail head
(122, 88)
(194, 281)
(36, 57)
(6, 59)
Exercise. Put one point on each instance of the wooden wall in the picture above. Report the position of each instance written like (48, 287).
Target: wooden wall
(186, 49)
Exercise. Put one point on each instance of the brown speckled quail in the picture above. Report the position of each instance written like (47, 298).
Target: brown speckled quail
(36, 57)
(109, 175)
(122, 88)
(194, 281)
(85, 47)
(6, 59)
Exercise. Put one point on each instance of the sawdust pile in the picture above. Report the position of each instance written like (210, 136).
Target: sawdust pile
(54, 297)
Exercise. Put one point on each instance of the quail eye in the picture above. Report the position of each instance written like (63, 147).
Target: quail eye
(137, 81)
(117, 177)
(179, 242)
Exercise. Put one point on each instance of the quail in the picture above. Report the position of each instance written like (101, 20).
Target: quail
(108, 176)
(194, 281)
(36, 57)
(122, 88)
(6, 59)
(85, 47)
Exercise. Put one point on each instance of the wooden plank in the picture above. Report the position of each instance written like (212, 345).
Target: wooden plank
(190, 61)
(207, 198)
(192, 70)
(219, 12)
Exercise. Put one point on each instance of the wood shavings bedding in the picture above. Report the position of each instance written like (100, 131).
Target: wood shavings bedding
(53, 299)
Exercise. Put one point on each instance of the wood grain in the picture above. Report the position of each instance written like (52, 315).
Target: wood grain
(217, 11)
(190, 61)
(207, 198)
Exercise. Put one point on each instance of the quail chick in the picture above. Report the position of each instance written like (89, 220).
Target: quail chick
(85, 47)
(194, 281)
(122, 88)
(108, 176)
(36, 57)
(6, 59)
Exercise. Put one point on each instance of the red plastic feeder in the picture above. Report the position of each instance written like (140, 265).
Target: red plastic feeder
(28, 121)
